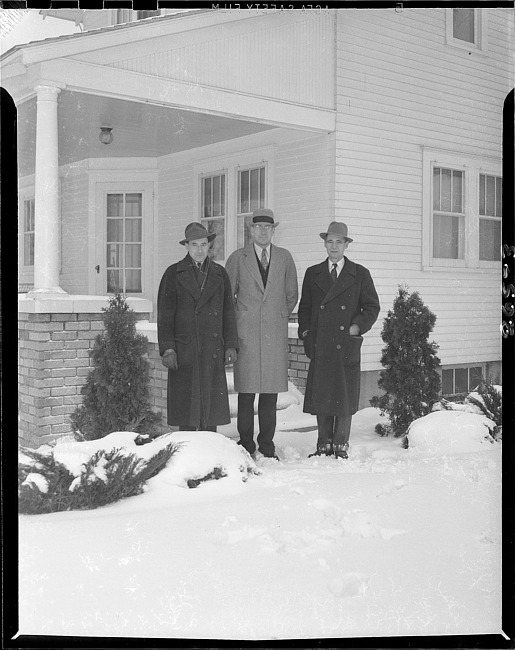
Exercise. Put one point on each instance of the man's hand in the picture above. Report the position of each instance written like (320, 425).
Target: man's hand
(354, 330)
(230, 356)
(169, 359)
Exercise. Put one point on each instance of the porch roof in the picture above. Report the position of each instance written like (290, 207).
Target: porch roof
(203, 61)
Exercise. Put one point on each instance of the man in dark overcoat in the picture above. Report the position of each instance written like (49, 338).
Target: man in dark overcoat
(338, 305)
(197, 335)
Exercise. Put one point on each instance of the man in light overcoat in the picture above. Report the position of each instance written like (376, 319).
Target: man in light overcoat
(196, 330)
(264, 285)
(338, 305)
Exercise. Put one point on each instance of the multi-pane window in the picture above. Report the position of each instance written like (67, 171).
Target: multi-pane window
(463, 25)
(448, 213)
(490, 213)
(251, 196)
(28, 232)
(213, 212)
(124, 242)
(460, 380)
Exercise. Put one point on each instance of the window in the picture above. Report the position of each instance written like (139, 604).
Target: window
(490, 215)
(227, 189)
(28, 232)
(463, 25)
(251, 196)
(448, 213)
(141, 15)
(213, 211)
(462, 197)
(461, 380)
(466, 29)
(124, 242)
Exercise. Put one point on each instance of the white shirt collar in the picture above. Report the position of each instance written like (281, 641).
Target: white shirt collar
(339, 265)
(259, 250)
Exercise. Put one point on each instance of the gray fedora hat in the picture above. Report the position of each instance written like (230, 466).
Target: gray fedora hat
(196, 230)
(263, 215)
(337, 228)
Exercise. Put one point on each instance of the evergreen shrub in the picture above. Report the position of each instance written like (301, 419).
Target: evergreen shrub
(45, 485)
(410, 378)
(489, 403)
(116, 395)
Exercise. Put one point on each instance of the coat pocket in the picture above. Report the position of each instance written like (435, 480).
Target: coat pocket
(184, 351)
(352, 353)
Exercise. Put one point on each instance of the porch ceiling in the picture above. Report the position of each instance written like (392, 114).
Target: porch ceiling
(139, 129)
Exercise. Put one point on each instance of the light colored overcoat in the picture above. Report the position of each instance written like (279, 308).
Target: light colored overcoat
(262, 318)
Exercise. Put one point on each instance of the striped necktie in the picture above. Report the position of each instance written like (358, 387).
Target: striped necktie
(264, 259)
(334, 275)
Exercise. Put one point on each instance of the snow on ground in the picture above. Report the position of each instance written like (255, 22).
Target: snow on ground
(392, 541)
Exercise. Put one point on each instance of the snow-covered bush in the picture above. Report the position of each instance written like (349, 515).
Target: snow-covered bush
(410, 378)
(47, 485)
(488, 399)
(116, 395)
(450, 432)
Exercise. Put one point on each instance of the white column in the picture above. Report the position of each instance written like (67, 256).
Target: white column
(46, 216)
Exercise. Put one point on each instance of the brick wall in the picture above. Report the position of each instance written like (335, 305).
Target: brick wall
(298, 364)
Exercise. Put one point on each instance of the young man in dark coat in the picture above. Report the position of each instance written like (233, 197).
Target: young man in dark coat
(196, 331)
(338, 305)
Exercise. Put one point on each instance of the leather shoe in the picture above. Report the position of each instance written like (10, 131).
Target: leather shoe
(323, 450)
(340, 451)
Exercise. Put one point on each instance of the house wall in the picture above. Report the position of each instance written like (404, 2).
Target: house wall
(74, 228)
(395, 97)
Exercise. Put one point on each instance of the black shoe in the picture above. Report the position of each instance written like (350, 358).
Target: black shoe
(244, 447)
(273, 456)
(340, 451)
(323, 450)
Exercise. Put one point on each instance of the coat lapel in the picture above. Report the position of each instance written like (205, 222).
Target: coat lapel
(212, 283)
(252, 265)
(274, 268)
(346, 278)
(186, 277)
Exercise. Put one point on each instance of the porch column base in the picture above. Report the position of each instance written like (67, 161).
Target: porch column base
(50, 293)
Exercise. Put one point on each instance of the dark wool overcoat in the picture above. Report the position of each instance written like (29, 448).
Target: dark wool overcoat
(200, 327)
(328, 310)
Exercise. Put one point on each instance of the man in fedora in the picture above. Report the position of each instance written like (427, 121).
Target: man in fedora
(264, 285)
(197, 336)
(338, 305)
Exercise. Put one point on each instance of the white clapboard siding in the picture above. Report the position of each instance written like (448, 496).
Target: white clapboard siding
(74, 189)
(400, 87)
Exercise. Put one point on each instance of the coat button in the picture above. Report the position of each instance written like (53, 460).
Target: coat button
(321, 306)
(338, 347)
(214, 355)
(344, 307)
(215, 335)
(215, 313)
(342, 327)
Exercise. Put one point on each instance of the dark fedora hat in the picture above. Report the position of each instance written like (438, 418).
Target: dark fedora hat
(196, 230)
(263, 215)
(336, 228)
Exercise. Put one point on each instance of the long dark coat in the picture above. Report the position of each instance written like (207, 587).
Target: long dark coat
(200, 327)
(328, 310)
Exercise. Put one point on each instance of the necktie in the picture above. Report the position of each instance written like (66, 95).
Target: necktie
(334, 275)
(264, 259)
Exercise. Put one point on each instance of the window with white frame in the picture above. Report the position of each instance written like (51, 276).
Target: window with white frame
(462, 198)
(466, 28)
(213, 211)
(124, 212)
(490, 215)
(251, 196)
(28, 232)
(448, 213)
(229, 189)
(458, 380)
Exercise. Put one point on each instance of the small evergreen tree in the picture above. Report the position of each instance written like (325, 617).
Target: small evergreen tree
(410, 379)
(489, 403)
(116, 395)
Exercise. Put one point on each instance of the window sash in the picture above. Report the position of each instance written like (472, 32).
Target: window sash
(251, 196)
(124, 242)
(461, 380)
(464, 25)
(213, 211)
(448, 213)
(28, 232)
